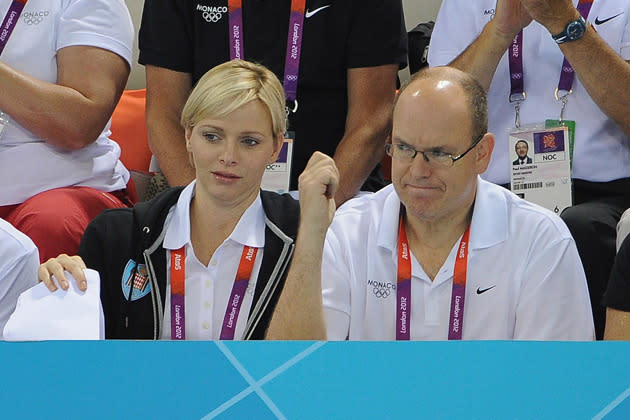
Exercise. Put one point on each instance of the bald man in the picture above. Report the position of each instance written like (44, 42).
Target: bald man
(439, 254)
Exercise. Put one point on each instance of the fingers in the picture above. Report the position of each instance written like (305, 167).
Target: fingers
(54, 268)
(320, 174)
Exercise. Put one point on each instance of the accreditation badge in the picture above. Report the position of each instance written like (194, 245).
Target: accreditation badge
(4, 122)
(278, 174)
(540, 170)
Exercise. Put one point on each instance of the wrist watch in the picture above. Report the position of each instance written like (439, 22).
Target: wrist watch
(572, 32)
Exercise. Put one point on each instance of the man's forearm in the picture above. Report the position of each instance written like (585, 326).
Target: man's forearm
(355, 157)
(166, 139)
(71, 113)
(167, 91)
(299, 314)
(604, 75)
(481, 57)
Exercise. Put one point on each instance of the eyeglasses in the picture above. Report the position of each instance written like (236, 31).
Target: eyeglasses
(406, 154)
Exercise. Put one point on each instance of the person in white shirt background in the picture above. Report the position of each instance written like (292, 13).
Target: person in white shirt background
(19, 262)
(62, 70)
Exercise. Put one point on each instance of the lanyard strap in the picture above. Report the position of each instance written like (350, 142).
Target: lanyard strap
(294, 42)
(515, 63)
(403, 286)
(9, 21)
(178, 293)
(567, 74)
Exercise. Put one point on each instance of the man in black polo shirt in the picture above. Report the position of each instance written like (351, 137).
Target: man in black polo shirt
(350, 53)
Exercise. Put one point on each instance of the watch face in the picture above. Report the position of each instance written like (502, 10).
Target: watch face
(575, 30)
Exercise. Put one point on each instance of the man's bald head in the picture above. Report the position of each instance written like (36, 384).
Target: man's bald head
(446, 79)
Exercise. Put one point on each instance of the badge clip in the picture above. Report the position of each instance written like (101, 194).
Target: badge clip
(517, 99)
(564, 98)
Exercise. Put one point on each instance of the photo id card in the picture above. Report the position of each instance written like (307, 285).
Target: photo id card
(540, 167)
(278, 174)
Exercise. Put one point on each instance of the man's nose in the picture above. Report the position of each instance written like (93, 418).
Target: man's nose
(420, 166)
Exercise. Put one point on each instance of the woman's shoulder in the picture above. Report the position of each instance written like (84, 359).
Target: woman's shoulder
(282, 210)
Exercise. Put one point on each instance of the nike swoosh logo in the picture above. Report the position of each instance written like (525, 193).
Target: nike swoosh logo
(599, 22)
(480, 291)
(310, 13)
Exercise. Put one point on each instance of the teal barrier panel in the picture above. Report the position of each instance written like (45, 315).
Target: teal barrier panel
(315, 380)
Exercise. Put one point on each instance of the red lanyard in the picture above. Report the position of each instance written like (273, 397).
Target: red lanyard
(403, 287)
(178, 293)
(9, 21)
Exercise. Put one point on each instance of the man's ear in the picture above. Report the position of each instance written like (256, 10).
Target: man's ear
(484, 152)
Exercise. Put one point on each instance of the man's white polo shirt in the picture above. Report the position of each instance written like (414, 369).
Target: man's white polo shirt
(208, 287)
(524, 279)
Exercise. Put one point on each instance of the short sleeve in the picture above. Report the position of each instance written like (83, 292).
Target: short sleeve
(104, 24)
(335, 289)
(165, 37)
(554, 303)
(378, 35)
(453, 32)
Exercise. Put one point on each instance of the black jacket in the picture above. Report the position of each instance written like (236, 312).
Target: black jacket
(125, 243)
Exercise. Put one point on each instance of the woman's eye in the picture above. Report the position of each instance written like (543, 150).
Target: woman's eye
(249, 141)
(211, 137)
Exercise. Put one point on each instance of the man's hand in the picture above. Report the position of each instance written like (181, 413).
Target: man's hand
(318, 185)
(510, 17)
(299, 314)
(56, 267)
(552, 14)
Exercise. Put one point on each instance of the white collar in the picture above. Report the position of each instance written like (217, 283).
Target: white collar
(250, 229)
(489, 224)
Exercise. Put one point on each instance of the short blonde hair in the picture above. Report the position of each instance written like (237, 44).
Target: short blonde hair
(230, 85)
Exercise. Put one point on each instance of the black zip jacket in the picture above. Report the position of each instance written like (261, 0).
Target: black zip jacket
(132, 238)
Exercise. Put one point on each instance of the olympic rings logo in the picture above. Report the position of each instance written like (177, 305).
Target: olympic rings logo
(213, 17)
(33, 21)
(292, 77)
(381, 293)
(34, 18)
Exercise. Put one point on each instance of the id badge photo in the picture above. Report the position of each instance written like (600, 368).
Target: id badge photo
(540, 166)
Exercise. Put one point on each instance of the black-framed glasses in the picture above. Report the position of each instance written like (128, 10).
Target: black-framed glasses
(406, 153)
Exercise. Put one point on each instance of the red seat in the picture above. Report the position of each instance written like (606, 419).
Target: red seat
(129, 130)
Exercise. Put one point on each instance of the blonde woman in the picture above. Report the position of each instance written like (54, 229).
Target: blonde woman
(207, 261)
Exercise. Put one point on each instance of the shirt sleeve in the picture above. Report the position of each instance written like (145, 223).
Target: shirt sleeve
(554, 303)
(335, 289)
(165, 38)
(617, 295)
(455, 29)
(378, 35)
(104, 24)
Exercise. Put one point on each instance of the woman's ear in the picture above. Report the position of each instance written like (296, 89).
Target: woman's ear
(277, 146)
(187, 134)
